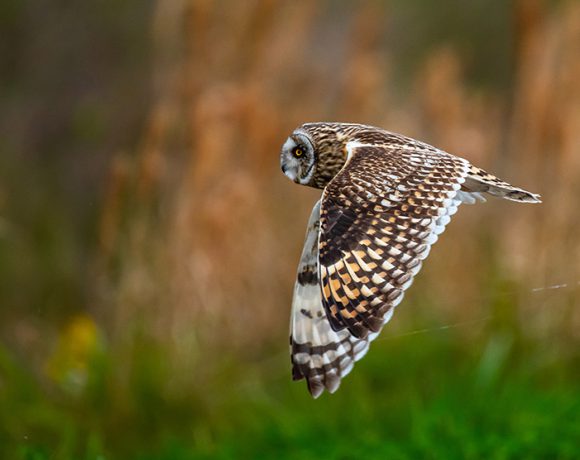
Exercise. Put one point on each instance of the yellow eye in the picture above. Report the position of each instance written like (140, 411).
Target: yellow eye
(297, 152)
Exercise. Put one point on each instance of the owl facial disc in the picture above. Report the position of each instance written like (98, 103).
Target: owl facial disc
(297, 158)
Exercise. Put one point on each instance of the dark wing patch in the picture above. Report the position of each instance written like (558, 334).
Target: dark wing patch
(379, 217)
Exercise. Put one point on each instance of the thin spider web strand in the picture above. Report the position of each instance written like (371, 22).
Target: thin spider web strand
(273, 361)
(435, 329)
(478, 320)
(556, 286)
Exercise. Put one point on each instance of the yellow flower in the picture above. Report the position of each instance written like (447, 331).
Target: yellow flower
(76, 347)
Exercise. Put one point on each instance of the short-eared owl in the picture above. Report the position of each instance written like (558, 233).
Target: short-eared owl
(385, 200)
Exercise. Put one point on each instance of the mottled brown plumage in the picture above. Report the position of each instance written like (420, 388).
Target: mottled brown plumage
(385, 200)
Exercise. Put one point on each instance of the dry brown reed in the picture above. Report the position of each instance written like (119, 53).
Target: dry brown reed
(200, 231)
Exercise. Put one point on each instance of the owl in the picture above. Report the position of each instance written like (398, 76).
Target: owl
(385, 200)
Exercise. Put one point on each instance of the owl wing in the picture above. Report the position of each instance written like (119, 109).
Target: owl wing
(379, 217)
(319, 354)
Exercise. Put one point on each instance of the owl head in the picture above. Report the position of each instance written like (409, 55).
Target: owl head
(314, 153)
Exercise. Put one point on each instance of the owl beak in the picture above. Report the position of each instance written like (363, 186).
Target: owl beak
(286, 173)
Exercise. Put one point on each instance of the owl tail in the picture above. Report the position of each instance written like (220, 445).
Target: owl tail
(478, 181)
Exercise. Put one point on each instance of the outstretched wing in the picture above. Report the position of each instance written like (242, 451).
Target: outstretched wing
(379, 217)
(319, 354)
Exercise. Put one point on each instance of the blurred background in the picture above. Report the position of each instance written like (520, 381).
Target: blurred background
(149, 241)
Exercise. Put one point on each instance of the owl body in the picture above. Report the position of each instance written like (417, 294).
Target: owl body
(386, 198)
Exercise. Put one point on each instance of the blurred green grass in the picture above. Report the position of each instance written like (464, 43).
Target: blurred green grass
(431, 394)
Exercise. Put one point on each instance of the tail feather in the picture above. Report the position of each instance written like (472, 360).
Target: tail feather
(479, 181)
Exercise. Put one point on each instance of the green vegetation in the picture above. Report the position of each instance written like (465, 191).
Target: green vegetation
(427, 395)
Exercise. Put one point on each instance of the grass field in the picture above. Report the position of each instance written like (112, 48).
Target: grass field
(424, 395)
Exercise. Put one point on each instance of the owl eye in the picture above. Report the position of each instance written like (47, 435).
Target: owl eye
(297, 152)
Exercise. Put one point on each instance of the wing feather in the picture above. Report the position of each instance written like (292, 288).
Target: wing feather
(319, 354)
(379, 217)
